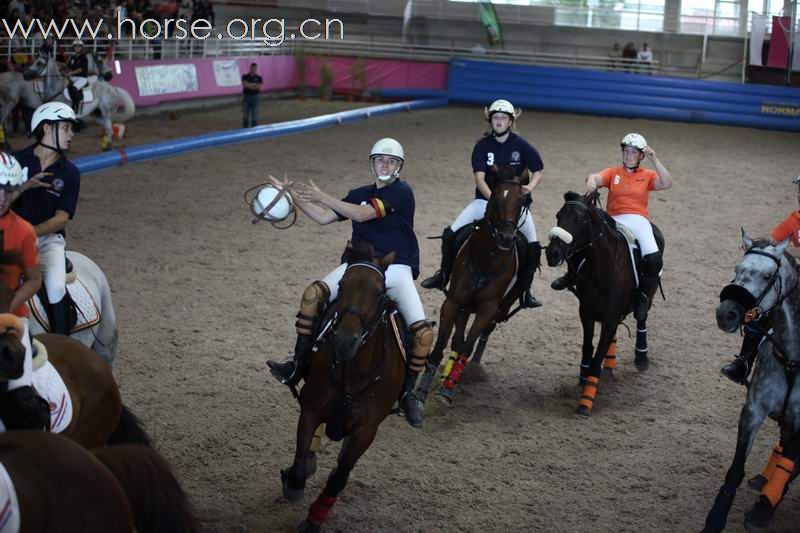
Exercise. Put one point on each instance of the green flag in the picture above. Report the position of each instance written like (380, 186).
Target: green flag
(489, 20)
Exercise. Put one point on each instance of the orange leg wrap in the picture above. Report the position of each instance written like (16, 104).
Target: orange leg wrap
(773, 490)
(589, 393)
(610, 360)
(777, 452)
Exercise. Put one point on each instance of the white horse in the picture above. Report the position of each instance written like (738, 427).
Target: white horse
(97, 322)
(113, 103)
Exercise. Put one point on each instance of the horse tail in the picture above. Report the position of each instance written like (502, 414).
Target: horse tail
(129, 430)
(128, 107)
(157, 500)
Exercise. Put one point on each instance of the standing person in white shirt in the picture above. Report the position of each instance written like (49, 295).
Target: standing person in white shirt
(645, 57)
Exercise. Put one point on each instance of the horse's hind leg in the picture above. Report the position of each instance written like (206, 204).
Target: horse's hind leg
(758, 482)
(294, 477)
(351, 452)
(482, 340)
(642, 362)
(750, 420)
(447, 317)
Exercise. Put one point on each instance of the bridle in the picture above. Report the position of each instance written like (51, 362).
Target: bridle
(571, 251)
(369, 324)
(495, 228)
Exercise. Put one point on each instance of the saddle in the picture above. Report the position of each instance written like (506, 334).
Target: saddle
(633, 245)
(83, 310)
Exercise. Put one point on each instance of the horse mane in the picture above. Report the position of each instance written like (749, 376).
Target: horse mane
(359, 251)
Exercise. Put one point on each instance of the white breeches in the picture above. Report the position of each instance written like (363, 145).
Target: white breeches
(27, 373)
(54, 263)
(399, 287)
(643, 231)
(476, 209)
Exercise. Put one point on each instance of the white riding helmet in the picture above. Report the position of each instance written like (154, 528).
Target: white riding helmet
(76, 43)
(12, 175)
(387, 146)
(635, 140)
(52, 112)
(501, 106)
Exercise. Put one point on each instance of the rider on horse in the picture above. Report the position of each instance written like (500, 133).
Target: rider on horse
(78, 73)
(629, 188)
(382, 215)
(49, 203)
(738, 369)
(501, 147)
(21, 407)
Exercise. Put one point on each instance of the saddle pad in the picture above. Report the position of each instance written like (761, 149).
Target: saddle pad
(88, 96)
(52, 388)
(632, 246)
(88, 313)
(9, 505)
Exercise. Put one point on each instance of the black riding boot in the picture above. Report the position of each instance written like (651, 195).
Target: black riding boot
(76, 95)
(410, 405)
(561, 283)
(644, 297)
(738, 369)
(442, 276)
(23, 408)
(291, 372)
(58, 314)
(526, 272)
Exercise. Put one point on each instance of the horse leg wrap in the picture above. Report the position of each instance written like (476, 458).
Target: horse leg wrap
(422, 333)
(641, 340)
(319, 510)
(776, 485)
(316, 440)
(589, 392)
(610, 360)
(777, 453)
(448, 366)
(454, 376)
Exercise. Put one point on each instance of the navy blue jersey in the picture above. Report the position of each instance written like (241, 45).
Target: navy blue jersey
(393, 229)
(515, 152)
(79, 61)
(41, 203)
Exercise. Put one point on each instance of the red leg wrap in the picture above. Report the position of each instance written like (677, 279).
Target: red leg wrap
(454, 376)
(318, 512)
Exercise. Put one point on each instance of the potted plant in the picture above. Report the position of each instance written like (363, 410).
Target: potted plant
(301, 64)
(325, 81)
(358, 73)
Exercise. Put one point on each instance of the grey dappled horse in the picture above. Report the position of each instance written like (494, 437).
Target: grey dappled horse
(114, 103)
(764, 293)
(103, 337)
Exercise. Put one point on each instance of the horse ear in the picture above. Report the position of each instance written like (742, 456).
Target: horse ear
(781, 248)
(387, 260)
(747, 242)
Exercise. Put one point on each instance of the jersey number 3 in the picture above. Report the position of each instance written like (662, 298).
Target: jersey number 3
(490, 158)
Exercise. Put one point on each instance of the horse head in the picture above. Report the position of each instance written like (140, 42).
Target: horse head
(505, 205)
(37, 69)
(361, 302)
(574, 228)
(12, 351)
(764, 277)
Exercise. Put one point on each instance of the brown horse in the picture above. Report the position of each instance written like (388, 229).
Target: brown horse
(598, 257)
(98, 416)
(481, 283)
(63, 488)
(353, 381)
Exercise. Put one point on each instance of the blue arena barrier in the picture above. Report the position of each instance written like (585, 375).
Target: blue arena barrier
(94, 163)
(622, 94)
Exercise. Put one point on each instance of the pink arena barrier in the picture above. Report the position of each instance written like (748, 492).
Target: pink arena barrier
(153, 82)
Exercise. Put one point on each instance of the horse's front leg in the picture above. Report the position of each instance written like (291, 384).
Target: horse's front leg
(447, 317)
(589, 392)
(587, 349)
(750, 421)
(294, 477)
(107, 141)
(352, 450)
(484, 316)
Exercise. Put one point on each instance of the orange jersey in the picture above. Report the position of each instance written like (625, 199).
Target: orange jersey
(788, 228)
(18, 236)
(628, 191)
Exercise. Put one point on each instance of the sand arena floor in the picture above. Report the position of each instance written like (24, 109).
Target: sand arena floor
(203, 298)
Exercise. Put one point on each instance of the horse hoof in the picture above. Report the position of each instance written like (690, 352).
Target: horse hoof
(642, 364)
(757, 483)
(311, 464)
(583, 411)
(759, 516)
(292, 495)
(308, 527)
(445, 397)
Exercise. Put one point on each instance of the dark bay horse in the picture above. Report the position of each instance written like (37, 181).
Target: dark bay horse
(765, 291)
(483, 273)
(98, 416)
(598, 257)
(354, 378)
(62, 487)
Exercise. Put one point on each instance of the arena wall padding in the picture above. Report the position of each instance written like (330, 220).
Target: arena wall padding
(624, 94)
(94, 163)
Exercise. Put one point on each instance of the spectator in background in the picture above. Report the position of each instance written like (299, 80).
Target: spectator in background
(645, 57)
(252, 86)
(19, 6)
(629, 56)
(614, 56)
